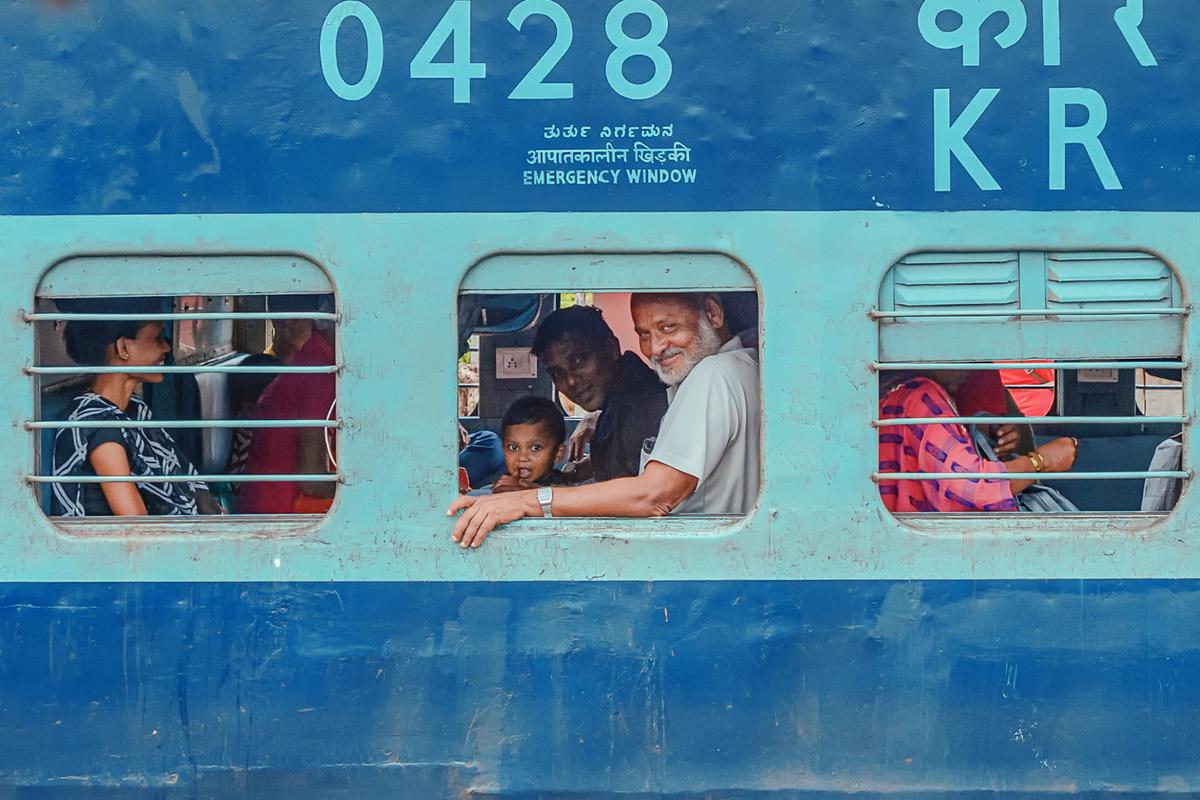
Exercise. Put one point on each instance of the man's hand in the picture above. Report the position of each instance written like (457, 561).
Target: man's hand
(482, 514)
(582, 436)
(511, 483)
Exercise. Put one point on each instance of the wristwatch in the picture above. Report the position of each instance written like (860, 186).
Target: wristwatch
(545, 496)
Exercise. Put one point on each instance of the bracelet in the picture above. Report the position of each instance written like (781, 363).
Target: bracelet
(1039, 463)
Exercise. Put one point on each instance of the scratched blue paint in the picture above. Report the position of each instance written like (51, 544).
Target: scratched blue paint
(769, 689)
(389, 522)
(818, 647)
(224, 107)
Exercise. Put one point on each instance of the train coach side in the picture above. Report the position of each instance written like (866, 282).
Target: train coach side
(857, 168)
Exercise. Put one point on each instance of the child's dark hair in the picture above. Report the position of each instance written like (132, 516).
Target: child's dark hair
(537, 411)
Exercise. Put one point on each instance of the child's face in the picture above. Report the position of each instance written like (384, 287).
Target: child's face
(529, 451)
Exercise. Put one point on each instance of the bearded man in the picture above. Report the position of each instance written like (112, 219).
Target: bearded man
(705, 459)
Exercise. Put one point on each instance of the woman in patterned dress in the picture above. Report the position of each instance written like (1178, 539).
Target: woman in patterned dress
(120, 451)
(934, 448)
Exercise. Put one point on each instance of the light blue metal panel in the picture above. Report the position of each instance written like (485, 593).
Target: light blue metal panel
(950, 280)
(1109, 280)
(178, 273)
(992, 282)
(1000, 339)
(819, 515)
(606, 272)
(1033, 280)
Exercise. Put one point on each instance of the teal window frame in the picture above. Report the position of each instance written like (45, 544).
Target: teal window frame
(607, 272)
(977, 310)
(176, 275)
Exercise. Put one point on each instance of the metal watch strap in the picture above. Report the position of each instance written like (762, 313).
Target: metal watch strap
(545, 496)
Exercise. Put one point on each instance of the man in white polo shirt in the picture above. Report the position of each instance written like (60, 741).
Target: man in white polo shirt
(710, 430)
(705, 459)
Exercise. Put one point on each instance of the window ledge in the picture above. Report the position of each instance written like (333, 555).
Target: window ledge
(1031, 525)
(229, 526)
(685, 526)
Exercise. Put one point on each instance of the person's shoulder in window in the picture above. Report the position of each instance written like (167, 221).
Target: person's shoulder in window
(635, 408)
(711, 431)
(309, 396)
(150, 451)
(930, 448)
(72, 446)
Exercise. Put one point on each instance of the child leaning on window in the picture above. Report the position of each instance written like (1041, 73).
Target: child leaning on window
(531, 435)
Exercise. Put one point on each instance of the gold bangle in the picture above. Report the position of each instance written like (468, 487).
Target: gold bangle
(1039, 463)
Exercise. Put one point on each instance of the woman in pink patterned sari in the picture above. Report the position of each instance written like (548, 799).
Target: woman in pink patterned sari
(946, 447)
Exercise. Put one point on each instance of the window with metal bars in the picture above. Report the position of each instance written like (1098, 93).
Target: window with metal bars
(506, 302)
(172, 386)
(1099, 333)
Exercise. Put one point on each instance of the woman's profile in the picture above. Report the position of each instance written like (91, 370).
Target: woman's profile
(137, 347)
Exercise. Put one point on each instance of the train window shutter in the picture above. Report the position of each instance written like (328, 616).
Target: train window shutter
(953, 281)
(1100, 331)
(1029, 305)
(1110, 281)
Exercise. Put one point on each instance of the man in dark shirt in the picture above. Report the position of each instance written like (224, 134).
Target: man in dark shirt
(585, 361)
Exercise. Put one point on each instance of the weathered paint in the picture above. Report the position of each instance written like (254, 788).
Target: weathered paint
(389, 521)
(183, 107)
(686, 689)
(634, 659)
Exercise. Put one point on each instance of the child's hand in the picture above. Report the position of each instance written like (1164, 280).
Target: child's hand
(511, 483)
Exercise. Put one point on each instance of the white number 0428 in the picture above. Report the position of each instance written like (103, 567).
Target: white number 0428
(455, 28)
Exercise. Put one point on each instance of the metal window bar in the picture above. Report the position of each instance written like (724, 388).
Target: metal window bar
(1031, 312)
(1152, 387)
(324, 477)
(178, 315)
(894, 422)
(1027, 476)
(37, 425)
(880, 366)
(172, 369)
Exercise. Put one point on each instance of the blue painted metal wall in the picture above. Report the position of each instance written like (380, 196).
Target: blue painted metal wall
(179, 107)
(692, 689)
(424, 672)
